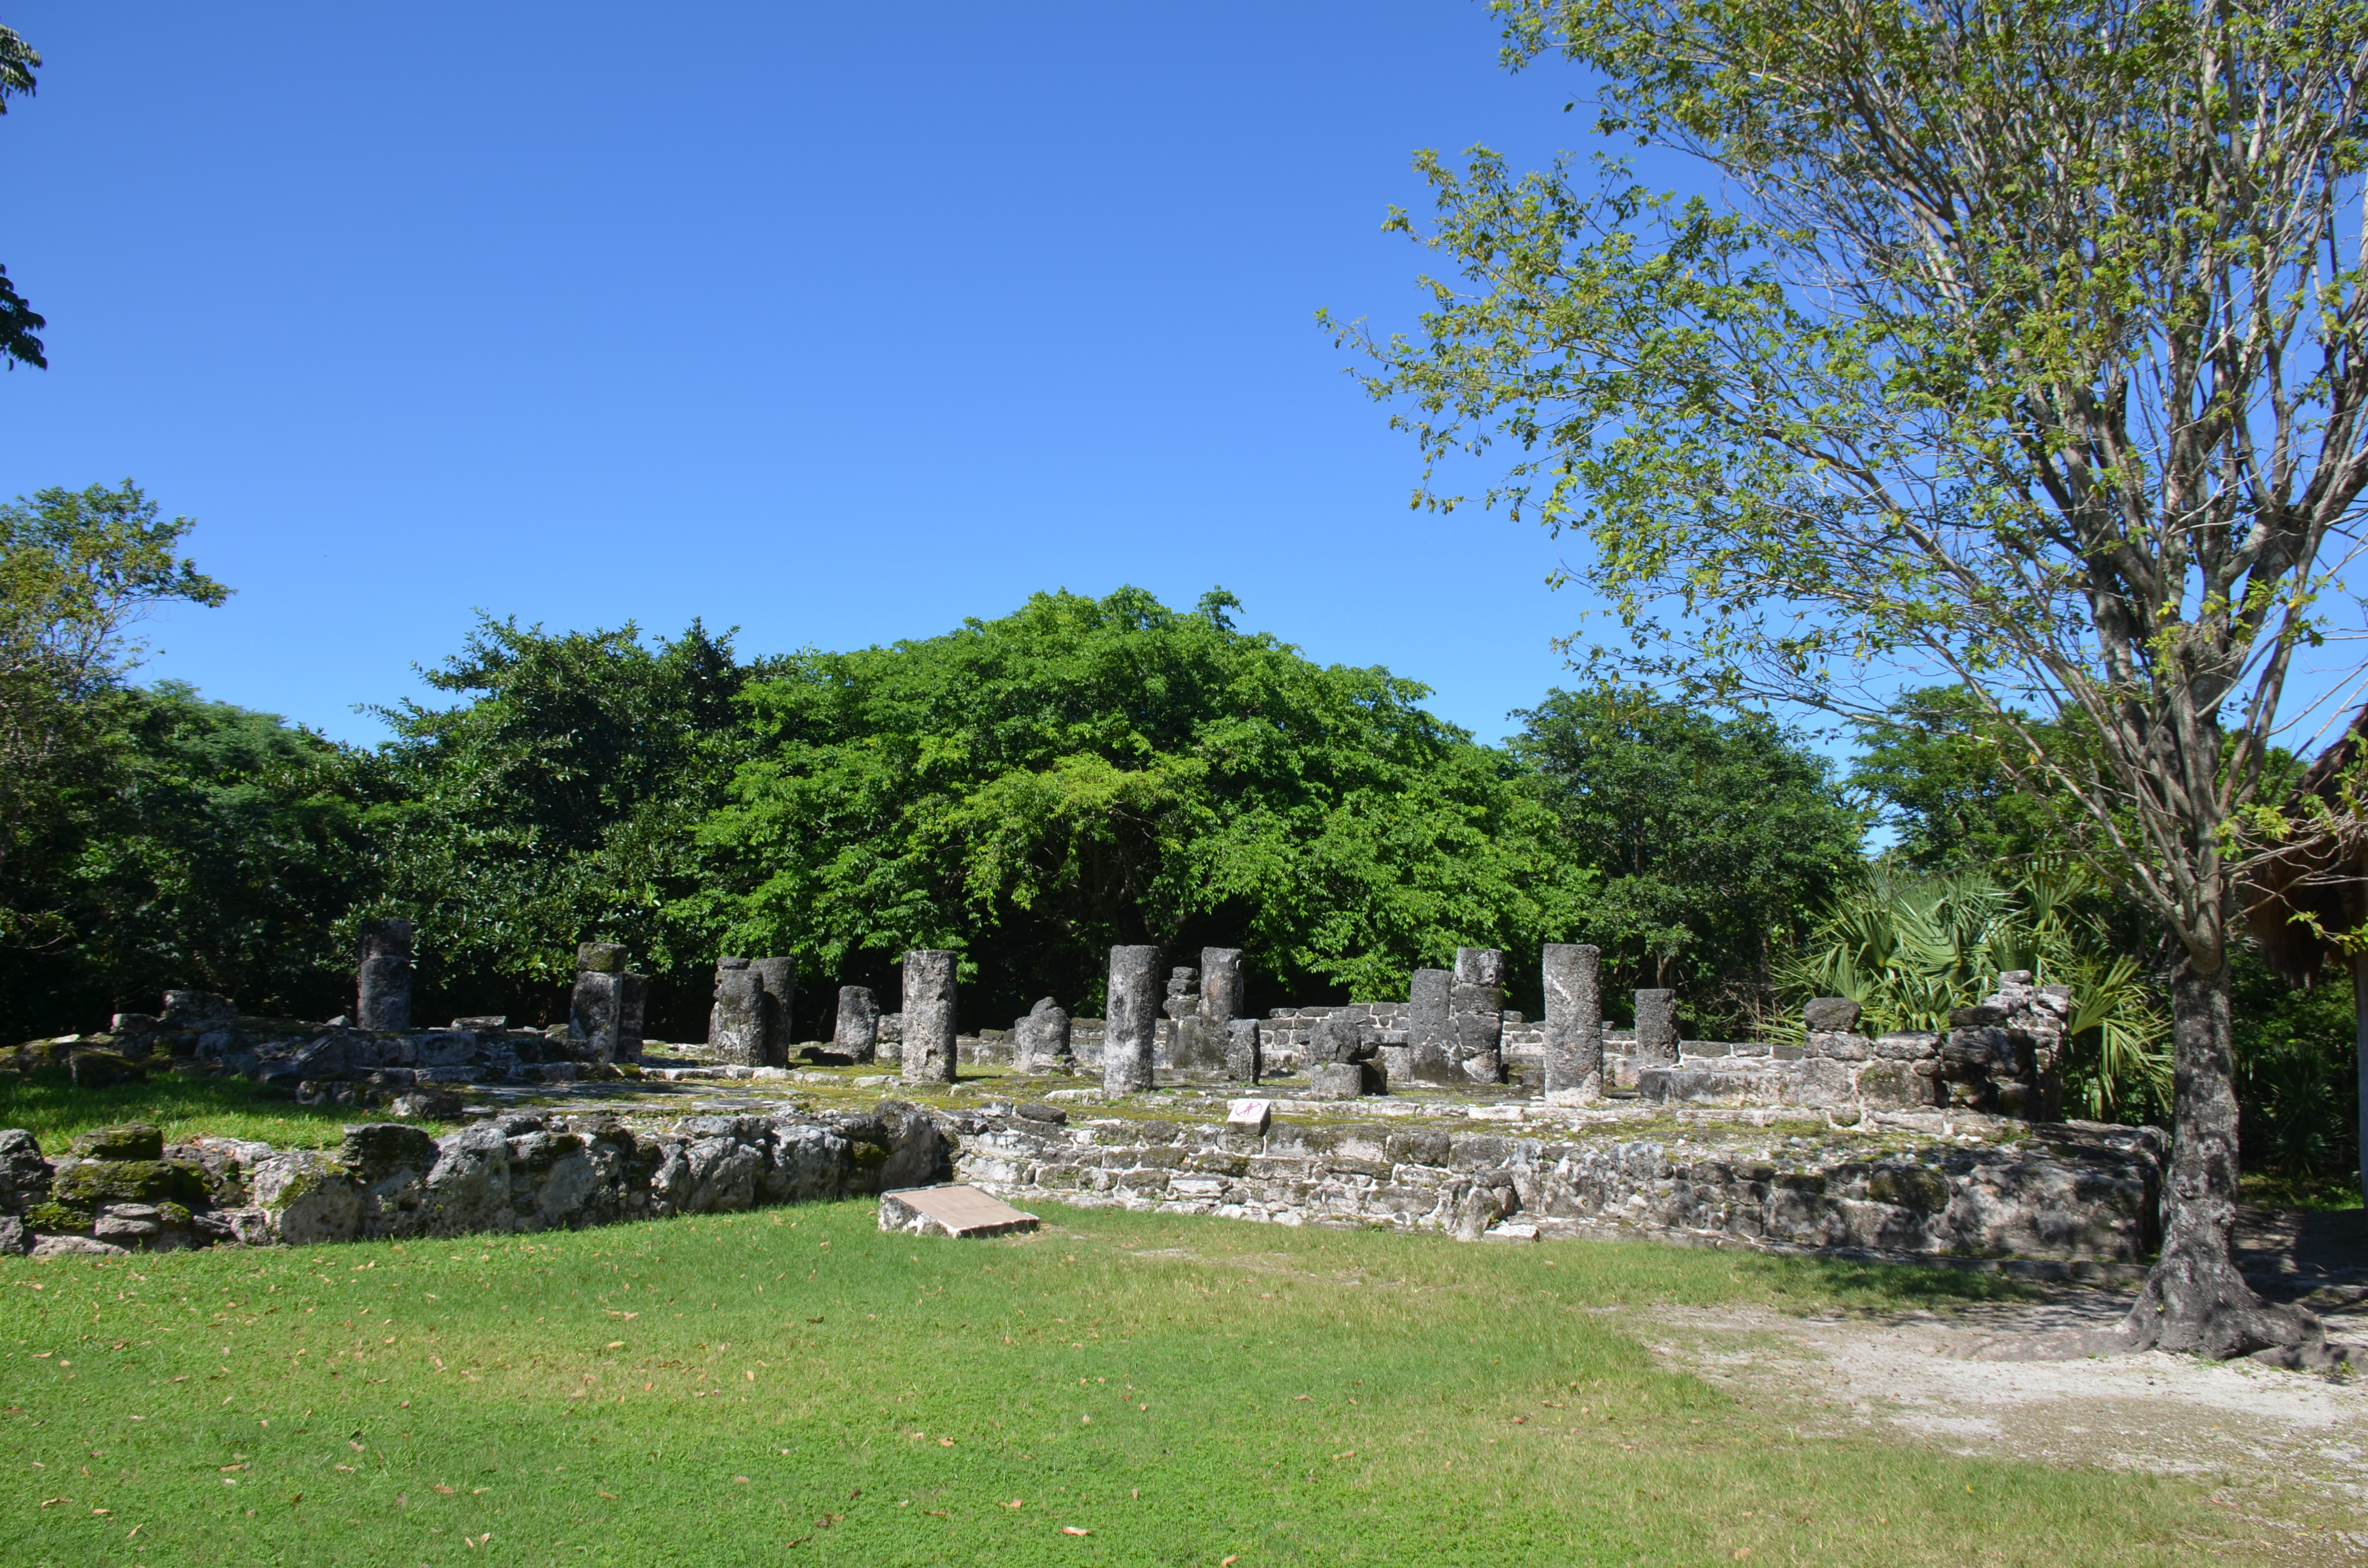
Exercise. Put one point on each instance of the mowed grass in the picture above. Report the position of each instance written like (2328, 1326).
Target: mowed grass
(183, 1108)
(791, 1386)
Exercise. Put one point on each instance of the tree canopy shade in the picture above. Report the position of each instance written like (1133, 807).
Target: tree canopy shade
(1030, 790)
(1713, 838)
(18, 320)
(2030, 354)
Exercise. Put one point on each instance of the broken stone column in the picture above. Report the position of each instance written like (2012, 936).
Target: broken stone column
(1243, 1061)
(1221, 985)
(1040, 1042)
(1477, 1014)
(1133, 1019)
(599, 1005)
(928, 1016)
(1341, 1049)
(735, 1024)
(1183, 998)
(2006, 1054)
(1657, 1029)
(632, 1011)
(382, 976)
(1430, 1046)
(779, 977)
(1574, 1022)
(856, 1034)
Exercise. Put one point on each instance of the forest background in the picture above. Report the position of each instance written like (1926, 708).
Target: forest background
(1029, 790)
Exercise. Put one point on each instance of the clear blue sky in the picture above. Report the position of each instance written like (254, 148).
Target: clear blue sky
(834, 323)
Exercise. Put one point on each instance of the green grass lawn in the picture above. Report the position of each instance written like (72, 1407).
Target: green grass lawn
(183, 1108)
(791, 1386)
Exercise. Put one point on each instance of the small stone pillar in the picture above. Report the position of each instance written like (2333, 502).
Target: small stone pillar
(382, 976)
(1341, 1049)
(632, 1010)
(1221, 985)
(1244, 1055)
(1656, 1029)
(1478, 1004)
(735, 1024)
(1040, 1042)
(1574, 1022)
(1132, 1022)
(598, 1006)
(779, 977)
(1430, 1046)
(855, 1034)
(929, 997)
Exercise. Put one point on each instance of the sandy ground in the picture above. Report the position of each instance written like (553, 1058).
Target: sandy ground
(2287, 1451)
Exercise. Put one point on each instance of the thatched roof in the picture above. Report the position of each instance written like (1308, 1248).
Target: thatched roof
(2322, 876)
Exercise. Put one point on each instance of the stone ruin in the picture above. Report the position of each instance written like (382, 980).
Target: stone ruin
(1566, 1087)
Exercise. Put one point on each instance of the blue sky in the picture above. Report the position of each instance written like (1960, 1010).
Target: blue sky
(836, 324)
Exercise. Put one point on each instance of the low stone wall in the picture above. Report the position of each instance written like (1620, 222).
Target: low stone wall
(2078, 1191)
(123, 1189)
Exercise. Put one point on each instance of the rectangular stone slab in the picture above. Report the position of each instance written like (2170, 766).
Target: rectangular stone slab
(950, 1212)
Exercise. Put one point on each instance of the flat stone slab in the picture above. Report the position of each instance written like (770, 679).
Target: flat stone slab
(956, 1211)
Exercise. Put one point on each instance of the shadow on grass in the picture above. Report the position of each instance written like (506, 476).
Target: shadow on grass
(184, 1108)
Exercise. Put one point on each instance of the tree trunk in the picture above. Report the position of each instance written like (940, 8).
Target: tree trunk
(2194, 1298)
(2360, 1040)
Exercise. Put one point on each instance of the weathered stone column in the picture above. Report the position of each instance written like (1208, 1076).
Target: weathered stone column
(1133, 1019)
(1040, 1042)
(929, 997)
(779, 976)
(856, 1034)
(1478, 1000)
(632, 1009)
(1574, 1022)
(1221, 985)
(382, 976)
(1244, 1055)
(735, 1024)
(1657, 1029)
(1431, 1056)
(596, 1006)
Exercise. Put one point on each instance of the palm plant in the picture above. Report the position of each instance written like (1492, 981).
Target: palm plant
(1908, 948)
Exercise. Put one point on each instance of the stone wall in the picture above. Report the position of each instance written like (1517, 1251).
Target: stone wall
(2081, 1192)
(124, 1189)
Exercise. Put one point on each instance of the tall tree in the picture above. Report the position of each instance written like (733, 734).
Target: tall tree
(18, 320)
(2026, 344)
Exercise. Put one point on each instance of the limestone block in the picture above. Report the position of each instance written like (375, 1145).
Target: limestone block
(1842, 1047)
(1040, 1042)
(856, 1034)
(950, 1211)
(305, 1197)
(1243, 1047)
(600, 958)
(1250, 1116)
(928, 1016)
(595, 1012)
(1831, 1014)
(383, 975)
(1221, 985)
(1131, 1028)
(1657, 1029)
(1336, 1080)
(1183, 997)
(1198, 1047)
(1574, 1046)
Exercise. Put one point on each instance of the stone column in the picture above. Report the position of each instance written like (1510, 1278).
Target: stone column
(930, 1016)
(735, 1024)
(382, 976)
(1430, 1057)
(1244, 1061)
(596, 1006)
(779, 976)
(1221, 985)
(632, 1009)
(1133, 1017)
(1040, 1042)
(1574, 1022)
(856, 1034)
(1657, 1029)
(1478, 1003)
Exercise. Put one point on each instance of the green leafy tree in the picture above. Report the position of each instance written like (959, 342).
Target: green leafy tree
(2025, 347)
(1708, 836)
(1933, 763)
(558, 804)
(78, 571)
(203, 845)
(18, 320)
(1081, 772)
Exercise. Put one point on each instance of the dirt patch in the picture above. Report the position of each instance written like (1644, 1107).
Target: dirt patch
(2288, 1451)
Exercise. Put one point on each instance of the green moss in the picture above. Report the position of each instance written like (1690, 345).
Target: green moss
(94, 1182)
(55, 1216)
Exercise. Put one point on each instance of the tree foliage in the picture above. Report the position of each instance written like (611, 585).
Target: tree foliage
(1711, 839)
(1081, 772)
(18, 322)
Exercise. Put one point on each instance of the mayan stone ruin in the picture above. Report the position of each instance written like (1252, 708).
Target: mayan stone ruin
(1448, 1111)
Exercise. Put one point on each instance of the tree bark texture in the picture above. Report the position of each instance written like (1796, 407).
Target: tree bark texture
(2194, 1298)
